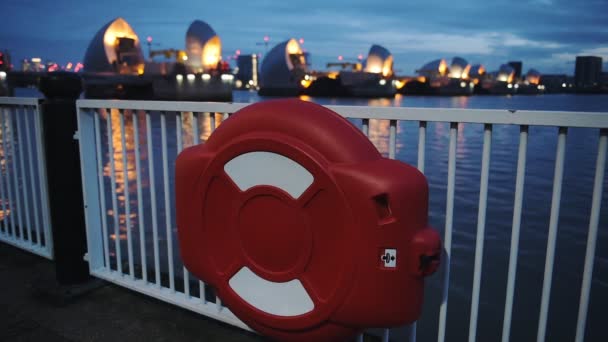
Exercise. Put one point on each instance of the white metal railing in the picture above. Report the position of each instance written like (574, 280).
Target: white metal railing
(127, 151)
(24, 208)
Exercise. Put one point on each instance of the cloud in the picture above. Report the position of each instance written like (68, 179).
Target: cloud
(481, 43)
(570, 56)
(543, 2)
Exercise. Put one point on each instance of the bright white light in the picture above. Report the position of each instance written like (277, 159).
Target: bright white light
(516, 86)
(306, 77)
(179, 77)
(206, 77)
(227, 77)
(2, 75)
(463, 84)
(382, 82)
(539, 87)
(250, 82)
(509, 86)
(563, 85)
(36, 60)
(190, 77)
(471, 85)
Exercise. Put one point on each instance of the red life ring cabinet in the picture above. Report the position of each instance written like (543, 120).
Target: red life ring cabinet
(303, 229)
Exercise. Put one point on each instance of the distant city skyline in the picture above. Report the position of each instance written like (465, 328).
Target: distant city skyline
(546, 35)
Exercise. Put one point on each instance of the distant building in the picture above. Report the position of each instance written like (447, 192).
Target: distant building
(517, 67)
(588, 72)
(5, 61)
(247, 71)
(557, 83)
(604, 79)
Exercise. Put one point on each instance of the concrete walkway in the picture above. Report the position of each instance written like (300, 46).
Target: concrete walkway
(109, 313)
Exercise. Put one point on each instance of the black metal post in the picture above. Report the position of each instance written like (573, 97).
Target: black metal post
(63, 173)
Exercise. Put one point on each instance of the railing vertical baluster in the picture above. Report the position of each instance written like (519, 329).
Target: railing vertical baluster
(447, 239)
(551, 241)
(386, 334)
(125, 170)
(365, 130)
(102, 193)
(114, 194)
(596, 205)
(149, 142)
(421, 145)
(481, 228)
(392, 142)
(225, 116)
(168, 230)
(412, 337)
(19, 210)
(420, 165)
(196, 138)
(196, 118)
(3, 165)
(517, 206)
(26, 197)
(32, 181)
(180, 146)
(360, 337)
(9, 184)
(218, 303)
(201, 291)
(140, 201)
(211, 122)
(42, 181)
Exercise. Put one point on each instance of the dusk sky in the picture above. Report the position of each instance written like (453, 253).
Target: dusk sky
(544, 34)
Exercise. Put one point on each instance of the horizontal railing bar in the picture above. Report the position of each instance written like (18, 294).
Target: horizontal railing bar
(19, 101)
(167, 106)
(172, 297)
(35, 249)
(482, 116)
(485, 116)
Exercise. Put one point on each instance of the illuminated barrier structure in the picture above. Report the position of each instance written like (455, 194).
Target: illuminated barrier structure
(284, 70)
(198, 73)
(203, 47)
(114, 64)
(115, 48)
(459, 69)
(304, 239)
(436, 78)
(531, 84)
(501, 82)
(374, 79)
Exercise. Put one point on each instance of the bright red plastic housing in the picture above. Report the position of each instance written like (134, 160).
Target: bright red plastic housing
(300, 225)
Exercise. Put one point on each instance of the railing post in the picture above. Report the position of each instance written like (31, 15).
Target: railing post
(59, 123)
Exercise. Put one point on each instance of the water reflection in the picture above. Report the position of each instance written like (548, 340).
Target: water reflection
(4, 203)
(379, 132)
(124, 156)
